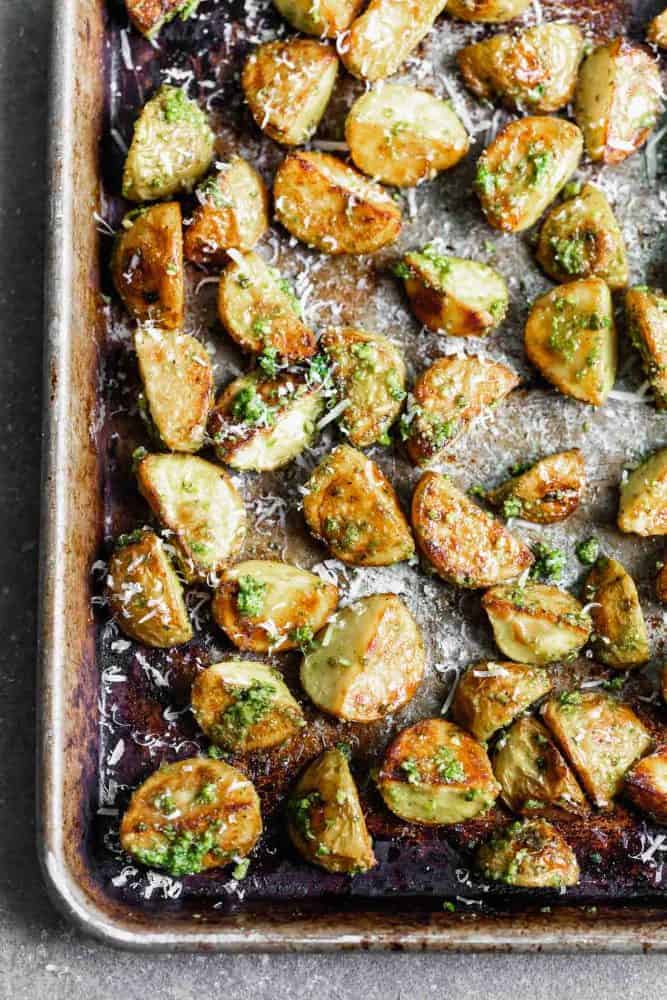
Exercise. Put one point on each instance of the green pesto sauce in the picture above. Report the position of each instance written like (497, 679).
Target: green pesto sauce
(250, 596)
(249, 707)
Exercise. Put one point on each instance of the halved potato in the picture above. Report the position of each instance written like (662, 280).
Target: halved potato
(434, 773)
(149, 16)
(493, 11)
(531, 854)
(581, 238)
(524, 168)
(536, 623)
(464, 544)
(402, 136)
(601, 738)
(534, 70)
(367, 662)
(325, 820)
(546, 493)
(642, 509)
(571, 338)
(619, 629)
(192, 815)
(646, 785)
(326, 18)
(617, 101)
(657, 30)
(172, 147)
(646, 310)
(144, 593)
(386, 33)
(490, 695)
(199, 504)
(243, 706)
(147, 265)
(332, 207)
(259, 310)
(268, 606)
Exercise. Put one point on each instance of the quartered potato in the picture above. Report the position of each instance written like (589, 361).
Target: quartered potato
(581, 238)
(232, 213)
(646, 785)
(531, 854)
(369, 373)
(325, 821)
(326, 18)
(491, 694)
(144, 593)
(493, 11)
(536, 623)
(452, 295)
(177, 376)
(617, 101)
(642, 508)
(464, 544)
(646, 311)
(571, 338)
(147, 265)
(524, 168)
(657, 30)
(332, 207)
(353, 509)
(149, 16)
(267, 606)
(171, 149)
(244, 706)
(600, 737)
(533, 70)
(619, 630)
(386, 33)
(192, 815)
(547, 492)
(402, 136)
(434, 773)
(367, 662)
(259, 310)
(287, 85)
(533, 774)
(447, 397)
(197, 501)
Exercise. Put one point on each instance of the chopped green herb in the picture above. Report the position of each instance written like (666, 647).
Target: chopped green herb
(549, 563)
(248, 407)
(303, 636)
(240, 869)
(448, 766)
(394, 385)
(588, 551)
(512, 507)
(268, 361)
(299, 812)
(250, 596)
(411, 769)
(251, 703)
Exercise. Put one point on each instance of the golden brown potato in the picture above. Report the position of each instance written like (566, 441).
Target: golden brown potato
(192, 815)
(367, 662)
(531, 854)
(267, 606)
(646, 311)
(147, 265)
(619, 630)
(353, 509)
(547, 492)
(434, 773)
(617, 100)
(490, 695)
(332, 207)
(646, 785)
(144, 593)
(325, 821)
(493, 11)
(402, 136)
(642, 509)
(149, 16)
(524, 168)
(464, 544)
(657, 30)
(326, 18)
(571, 338)
(446, 399)
(386, 33)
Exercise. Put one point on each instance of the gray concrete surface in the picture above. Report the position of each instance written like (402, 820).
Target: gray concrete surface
(40, 956)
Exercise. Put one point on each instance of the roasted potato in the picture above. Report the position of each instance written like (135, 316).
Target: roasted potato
(259, 310)
(617, 100)
(646, 785)
(434, 773)
(619, 630)
(172, 147)
(244, 706)
(147, 265)
(657, 30)
(571, 339)
(197, 501)
(192, 815)
(490, 695)
(326, 18)
(367, 662)
(353, 509)
(464, 544)
(232, 213)
(547, 492)
(287, 85)
(325, 821)
(332, 207)
(524, 168)
(642, 509)
(536, 623)
(369, 374)
(383, 37)
(267, 606)
(531, 854)
(446, 399)
(451, 295)
(402, 136)
(646, 311)
(490, 11)
(144, 593)
(581, 238)
(149, 16)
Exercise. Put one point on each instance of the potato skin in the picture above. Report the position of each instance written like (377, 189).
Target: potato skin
(487, 11)
(147, 265)
(382, 38)
(643, 503)
(657, 30)
(618, 623)
(332, 207)
(490, 695)
(150, 16)
(531, 854)
(646, 785)
(646, 312)
(546, 493)
(326, 19)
